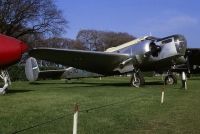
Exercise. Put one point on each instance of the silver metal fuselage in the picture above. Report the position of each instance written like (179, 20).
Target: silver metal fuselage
(171, 53)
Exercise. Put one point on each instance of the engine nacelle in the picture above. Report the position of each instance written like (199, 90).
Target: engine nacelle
(141, 48)
(143, 51)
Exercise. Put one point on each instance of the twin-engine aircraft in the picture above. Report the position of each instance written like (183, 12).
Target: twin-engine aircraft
(11, 51)
(143, 54)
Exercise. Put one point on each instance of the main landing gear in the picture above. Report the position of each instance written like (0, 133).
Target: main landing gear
(170, 79)
(5, 81)
(137, 80)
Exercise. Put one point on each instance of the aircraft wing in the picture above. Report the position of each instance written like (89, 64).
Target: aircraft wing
(193, 56)
(98, 62)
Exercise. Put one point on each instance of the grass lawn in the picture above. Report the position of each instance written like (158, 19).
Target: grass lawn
(136, 110)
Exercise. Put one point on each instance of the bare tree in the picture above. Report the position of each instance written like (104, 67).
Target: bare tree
(22, 17)
(58, 42)
(101, 40)
(91, 39)
(112, 39)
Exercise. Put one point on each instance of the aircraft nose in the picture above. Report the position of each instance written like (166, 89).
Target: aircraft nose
(181, 44)
(24, 47)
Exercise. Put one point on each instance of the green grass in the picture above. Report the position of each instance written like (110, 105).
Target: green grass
(138, 111)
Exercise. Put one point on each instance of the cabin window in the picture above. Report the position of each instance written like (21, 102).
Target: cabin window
(166, 41)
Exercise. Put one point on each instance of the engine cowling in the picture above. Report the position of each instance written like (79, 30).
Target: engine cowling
(146, 47)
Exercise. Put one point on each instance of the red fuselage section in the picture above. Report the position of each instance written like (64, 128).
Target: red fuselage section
(11, 50)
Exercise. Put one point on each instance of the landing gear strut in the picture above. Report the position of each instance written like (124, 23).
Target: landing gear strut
(6, 80)
(137, 79)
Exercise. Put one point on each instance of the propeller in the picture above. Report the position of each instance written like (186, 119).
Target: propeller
(154, 49)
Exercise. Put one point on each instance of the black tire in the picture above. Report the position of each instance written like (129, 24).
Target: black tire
(170, 80)
(4, 92)
(139, 80)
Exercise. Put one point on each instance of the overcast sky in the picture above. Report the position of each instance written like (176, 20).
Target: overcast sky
(137, 17)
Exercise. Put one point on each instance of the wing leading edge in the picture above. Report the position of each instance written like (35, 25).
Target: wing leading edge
(98, 62)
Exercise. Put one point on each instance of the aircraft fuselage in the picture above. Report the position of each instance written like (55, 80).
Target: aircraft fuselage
(153, 53)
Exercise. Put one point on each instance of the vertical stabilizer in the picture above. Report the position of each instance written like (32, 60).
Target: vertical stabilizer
(31, 69)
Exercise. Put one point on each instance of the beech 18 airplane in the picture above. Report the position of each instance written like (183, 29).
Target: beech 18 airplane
(143, 54)
(11, 51)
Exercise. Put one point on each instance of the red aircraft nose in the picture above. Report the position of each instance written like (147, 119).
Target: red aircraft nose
(24, 47)
(11, 50)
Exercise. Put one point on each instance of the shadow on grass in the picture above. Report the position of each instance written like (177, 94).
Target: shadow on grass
(154, 83)
(79, 83)
(10, 91)
(99, 84)
(46, 83)
(94, 84)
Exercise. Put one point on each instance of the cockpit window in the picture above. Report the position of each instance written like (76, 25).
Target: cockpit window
(179, 39)
(152, 38)
(180, 43)
(166, 41)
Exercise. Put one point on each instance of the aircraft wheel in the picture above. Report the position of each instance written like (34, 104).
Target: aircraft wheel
(170, 80)
(137, 80)
(3, 92)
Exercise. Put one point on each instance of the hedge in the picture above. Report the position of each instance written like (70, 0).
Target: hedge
(17, 73)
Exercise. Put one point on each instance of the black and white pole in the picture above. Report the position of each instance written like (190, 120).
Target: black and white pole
(75, 122)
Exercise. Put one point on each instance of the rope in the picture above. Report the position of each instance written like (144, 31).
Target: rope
(63, 116)
(40, 124)
(104, 106)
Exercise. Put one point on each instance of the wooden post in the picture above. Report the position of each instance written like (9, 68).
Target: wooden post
(75, 122)
(162, 94)
(162, 97)
(186, 85)
(184, 80)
